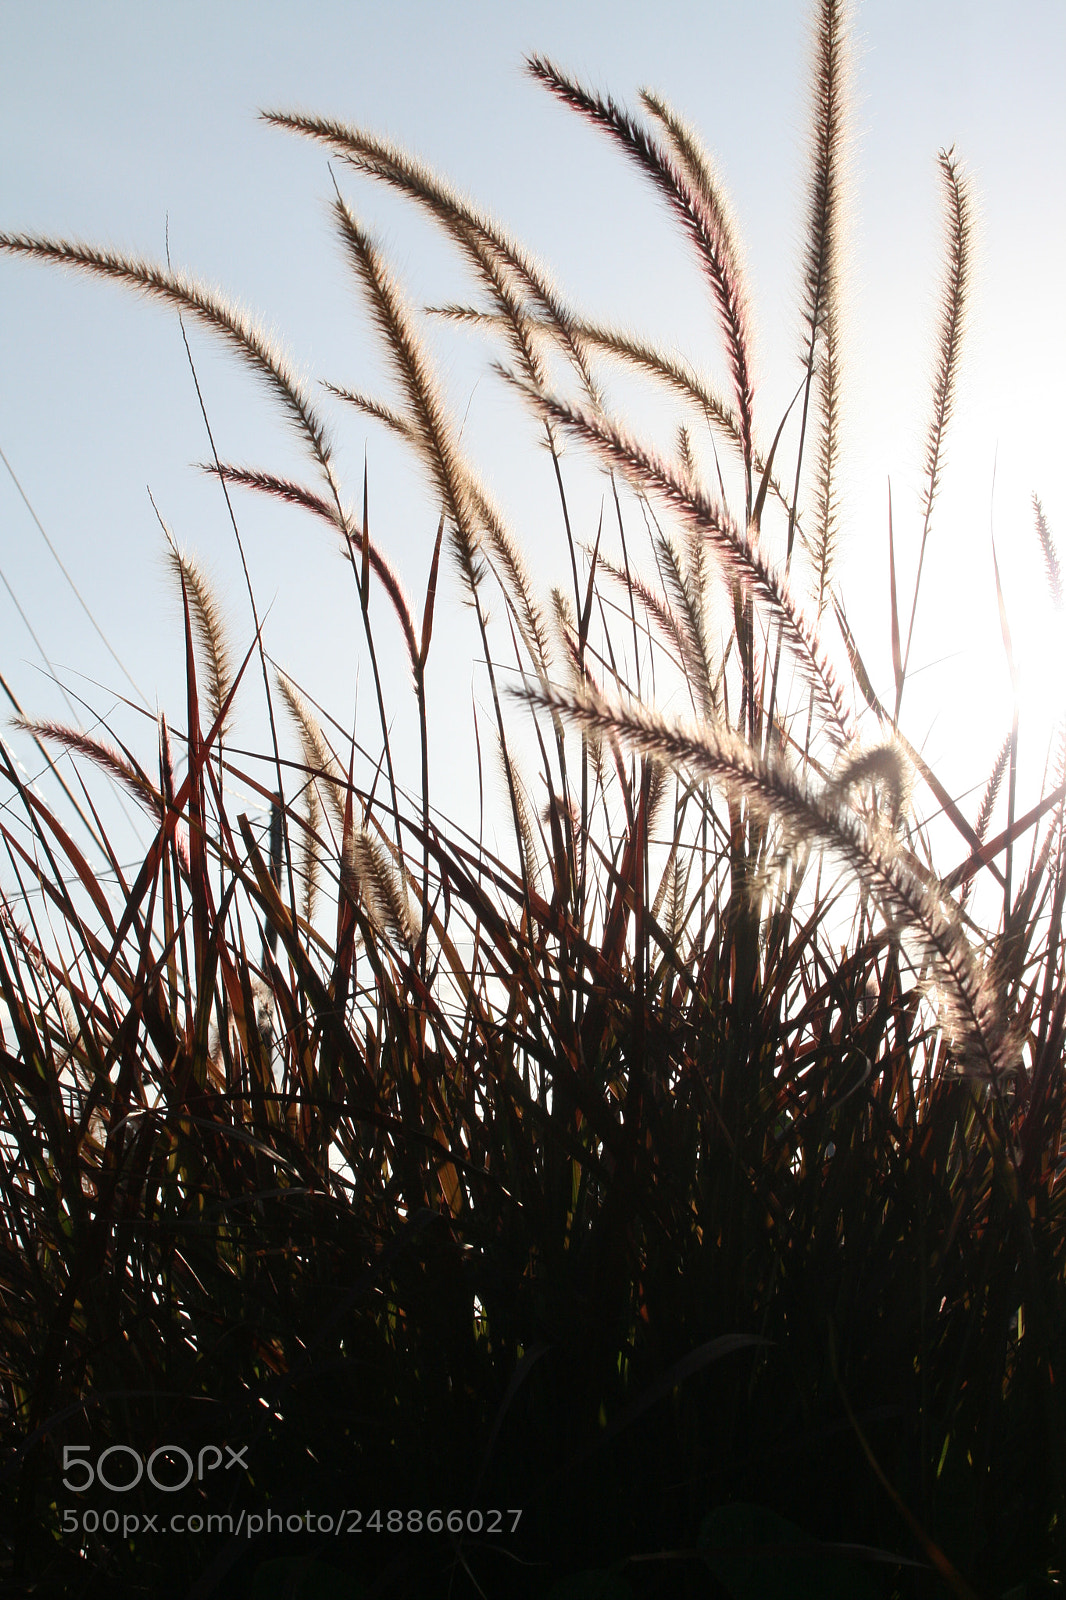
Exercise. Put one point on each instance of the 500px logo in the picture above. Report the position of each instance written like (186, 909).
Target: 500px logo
(168, 1468)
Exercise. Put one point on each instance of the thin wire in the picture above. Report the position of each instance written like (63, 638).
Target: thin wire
(50, 665)
(42, 748)
(37, 642)
(77, 592)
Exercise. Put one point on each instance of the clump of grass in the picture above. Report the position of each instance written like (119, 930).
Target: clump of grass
(684, 1172)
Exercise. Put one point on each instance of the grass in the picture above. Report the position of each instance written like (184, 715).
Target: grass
(682, 1172)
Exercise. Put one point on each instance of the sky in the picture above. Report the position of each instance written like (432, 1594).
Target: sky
(128, 124)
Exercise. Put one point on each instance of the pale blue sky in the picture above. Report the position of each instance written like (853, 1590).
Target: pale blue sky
(114, 116)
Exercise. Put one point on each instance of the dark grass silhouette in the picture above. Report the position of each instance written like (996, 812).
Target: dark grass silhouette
(683, 1176)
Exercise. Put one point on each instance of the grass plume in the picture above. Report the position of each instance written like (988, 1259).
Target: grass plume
(682, 1167)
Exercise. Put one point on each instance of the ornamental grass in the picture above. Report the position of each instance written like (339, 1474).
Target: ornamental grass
(659, 1196)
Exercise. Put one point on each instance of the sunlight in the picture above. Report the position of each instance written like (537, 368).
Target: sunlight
(718, 1083)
